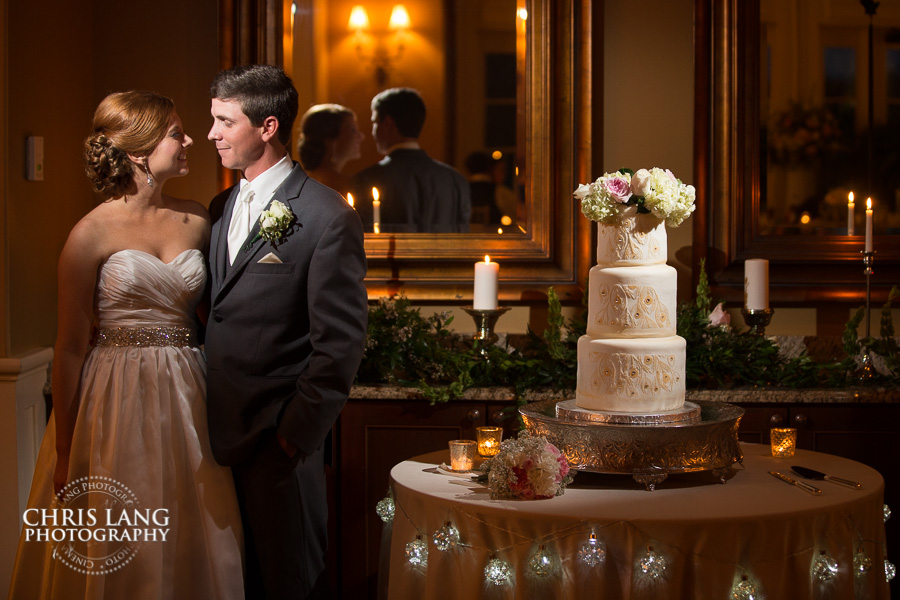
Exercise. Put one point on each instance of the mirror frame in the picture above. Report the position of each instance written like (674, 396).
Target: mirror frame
(803, 270)
(562, 76)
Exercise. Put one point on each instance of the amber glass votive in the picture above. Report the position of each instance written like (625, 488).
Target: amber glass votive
(784, 442)
(462, 455)
(488, 440)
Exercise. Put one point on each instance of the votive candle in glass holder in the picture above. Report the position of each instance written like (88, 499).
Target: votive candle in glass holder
(784, 442)
(462, 455)
(488, 440)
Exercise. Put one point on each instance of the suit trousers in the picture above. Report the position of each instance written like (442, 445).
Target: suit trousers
(285, 523)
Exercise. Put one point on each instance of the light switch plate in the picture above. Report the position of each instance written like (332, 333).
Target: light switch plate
(34, 158)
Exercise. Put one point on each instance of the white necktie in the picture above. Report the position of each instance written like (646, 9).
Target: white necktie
(239, 228)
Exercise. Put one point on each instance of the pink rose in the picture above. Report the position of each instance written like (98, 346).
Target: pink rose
(719, 317)
(563, 467)
(619, 189)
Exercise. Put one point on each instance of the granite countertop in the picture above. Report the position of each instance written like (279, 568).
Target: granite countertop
(739, 396)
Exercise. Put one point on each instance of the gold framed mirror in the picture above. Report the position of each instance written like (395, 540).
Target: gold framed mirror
(805, 270)
(552, 248)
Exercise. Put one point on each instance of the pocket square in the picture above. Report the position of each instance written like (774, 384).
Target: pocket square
(270, 258)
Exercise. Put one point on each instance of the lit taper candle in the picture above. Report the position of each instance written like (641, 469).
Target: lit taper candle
(376, 211)
(850, 206)
(868, 224)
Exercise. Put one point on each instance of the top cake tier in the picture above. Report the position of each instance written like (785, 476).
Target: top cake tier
(638, 240)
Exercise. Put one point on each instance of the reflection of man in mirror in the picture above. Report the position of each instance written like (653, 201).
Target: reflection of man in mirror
(415, 192)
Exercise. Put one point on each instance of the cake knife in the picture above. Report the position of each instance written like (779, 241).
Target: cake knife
(800, 484)
(818, 475)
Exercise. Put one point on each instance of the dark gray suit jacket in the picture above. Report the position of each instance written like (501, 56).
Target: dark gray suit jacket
(284, 341)
(418, 194)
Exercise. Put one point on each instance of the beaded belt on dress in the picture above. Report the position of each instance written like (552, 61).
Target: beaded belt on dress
(147, 336)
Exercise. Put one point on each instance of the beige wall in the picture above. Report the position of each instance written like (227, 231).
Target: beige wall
(648, 100)
(63, 57)
(49, 83)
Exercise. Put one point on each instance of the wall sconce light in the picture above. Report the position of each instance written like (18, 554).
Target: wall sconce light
(381, 57)
(399, 18)
(359, 19)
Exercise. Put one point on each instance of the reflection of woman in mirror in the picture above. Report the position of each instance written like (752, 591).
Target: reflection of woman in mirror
(329, 140)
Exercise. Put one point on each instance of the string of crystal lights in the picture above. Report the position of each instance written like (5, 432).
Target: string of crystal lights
(649, 566)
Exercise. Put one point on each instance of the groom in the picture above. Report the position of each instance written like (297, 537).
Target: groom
(286, 332)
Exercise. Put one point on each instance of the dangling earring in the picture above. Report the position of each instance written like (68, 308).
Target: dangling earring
(147, 170)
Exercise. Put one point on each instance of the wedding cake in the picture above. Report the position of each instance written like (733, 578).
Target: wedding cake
(630, 360)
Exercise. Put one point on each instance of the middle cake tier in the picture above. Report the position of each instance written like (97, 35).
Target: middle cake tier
(632, 302)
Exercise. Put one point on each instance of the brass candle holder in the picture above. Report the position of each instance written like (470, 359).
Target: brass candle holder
(485, 320)
(757, 319)
(866, 370)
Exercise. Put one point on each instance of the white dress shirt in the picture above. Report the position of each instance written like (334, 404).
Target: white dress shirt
(264, 186)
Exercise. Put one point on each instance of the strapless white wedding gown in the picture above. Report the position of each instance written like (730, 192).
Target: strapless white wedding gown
(140, 448)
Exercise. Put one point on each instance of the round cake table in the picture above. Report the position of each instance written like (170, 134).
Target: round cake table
(709, 534)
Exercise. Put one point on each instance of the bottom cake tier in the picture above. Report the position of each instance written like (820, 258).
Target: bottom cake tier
(630, 375)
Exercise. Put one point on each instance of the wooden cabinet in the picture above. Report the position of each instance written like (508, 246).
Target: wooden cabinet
(370, 438)
(374, 435)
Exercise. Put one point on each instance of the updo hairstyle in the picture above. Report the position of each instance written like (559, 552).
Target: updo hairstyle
(320, 124)
(124, 123)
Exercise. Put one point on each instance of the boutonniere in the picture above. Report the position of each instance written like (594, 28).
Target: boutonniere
(275, 223)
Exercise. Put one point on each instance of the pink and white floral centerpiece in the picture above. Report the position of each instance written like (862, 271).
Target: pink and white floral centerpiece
(526, 468)
(653, 191)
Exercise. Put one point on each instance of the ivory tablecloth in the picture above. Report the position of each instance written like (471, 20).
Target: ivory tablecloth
(710, 534)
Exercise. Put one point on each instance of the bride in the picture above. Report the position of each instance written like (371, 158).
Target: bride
(127, 500)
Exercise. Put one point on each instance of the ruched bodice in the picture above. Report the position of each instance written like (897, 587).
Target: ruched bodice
(136, 289)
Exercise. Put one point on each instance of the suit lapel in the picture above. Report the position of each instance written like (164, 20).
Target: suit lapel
(219, 243)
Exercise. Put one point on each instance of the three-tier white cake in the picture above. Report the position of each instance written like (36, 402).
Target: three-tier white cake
(631, 360)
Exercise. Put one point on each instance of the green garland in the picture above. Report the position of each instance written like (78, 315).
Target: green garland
(404, 348)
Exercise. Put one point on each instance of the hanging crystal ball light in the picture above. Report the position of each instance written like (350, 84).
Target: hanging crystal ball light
(385, 509)
(446, 538)
(592, 553)
(497, 571)
(825, 567)
(417, 552)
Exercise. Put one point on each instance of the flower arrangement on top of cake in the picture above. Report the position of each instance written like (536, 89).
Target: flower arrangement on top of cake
(655, 191)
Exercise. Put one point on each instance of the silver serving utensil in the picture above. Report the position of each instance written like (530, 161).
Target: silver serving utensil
(820, 476)
(800, 484)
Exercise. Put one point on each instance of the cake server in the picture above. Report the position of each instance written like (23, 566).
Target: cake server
(800, 484)
(820, 476)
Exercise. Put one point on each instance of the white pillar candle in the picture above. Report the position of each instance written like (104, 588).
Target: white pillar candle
(486, 283)
(850, 206)
(868, 224)
(376, 208)
(756, 284)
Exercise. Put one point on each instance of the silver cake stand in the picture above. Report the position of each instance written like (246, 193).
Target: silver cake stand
(700, 437)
